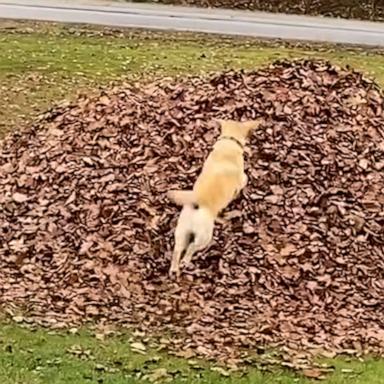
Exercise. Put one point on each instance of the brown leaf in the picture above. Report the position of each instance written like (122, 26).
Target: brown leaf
(19, 197)
(138, 347)
(104, 100)
(314, 374)
(221, 371)
(287, 250)
(157, 375)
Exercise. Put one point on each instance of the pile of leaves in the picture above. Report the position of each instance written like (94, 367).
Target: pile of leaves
(349, 9)
(86, 231)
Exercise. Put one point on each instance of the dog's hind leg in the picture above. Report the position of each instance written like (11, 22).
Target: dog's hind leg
(189, 253)
(181, 240)
(175, 263)
(201, 241)
(181, 244)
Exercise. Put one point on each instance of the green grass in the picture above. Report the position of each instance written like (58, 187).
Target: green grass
(41, 64)
(34, 357)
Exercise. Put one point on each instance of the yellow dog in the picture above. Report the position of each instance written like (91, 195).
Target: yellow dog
(221, 180)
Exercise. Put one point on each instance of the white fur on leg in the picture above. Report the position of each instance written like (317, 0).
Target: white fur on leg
(175, 263)
(198, 222)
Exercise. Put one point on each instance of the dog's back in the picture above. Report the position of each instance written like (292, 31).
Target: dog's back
(220, 178)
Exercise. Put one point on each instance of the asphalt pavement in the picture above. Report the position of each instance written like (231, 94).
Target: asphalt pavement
(215, 21)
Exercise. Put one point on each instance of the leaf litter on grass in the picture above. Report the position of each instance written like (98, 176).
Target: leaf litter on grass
(297, 262)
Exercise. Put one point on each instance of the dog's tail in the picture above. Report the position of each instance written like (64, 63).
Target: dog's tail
(183, 197)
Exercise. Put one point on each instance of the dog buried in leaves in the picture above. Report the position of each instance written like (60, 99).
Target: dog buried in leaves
(221, 180)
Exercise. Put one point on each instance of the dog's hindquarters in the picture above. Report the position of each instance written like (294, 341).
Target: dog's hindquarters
(203, 224)
(193, 232)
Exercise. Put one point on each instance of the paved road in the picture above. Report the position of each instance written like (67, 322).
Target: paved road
(254, 24)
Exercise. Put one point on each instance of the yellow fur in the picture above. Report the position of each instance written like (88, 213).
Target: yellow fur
(220, 181)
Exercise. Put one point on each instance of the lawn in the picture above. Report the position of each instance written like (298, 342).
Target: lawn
(37, 356)
(41, 64)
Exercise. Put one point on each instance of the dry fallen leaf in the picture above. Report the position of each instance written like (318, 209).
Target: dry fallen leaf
(158, 375)
(314, 373)
(221, 371)
(19, 197)
(347, 370)
(138, 347)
